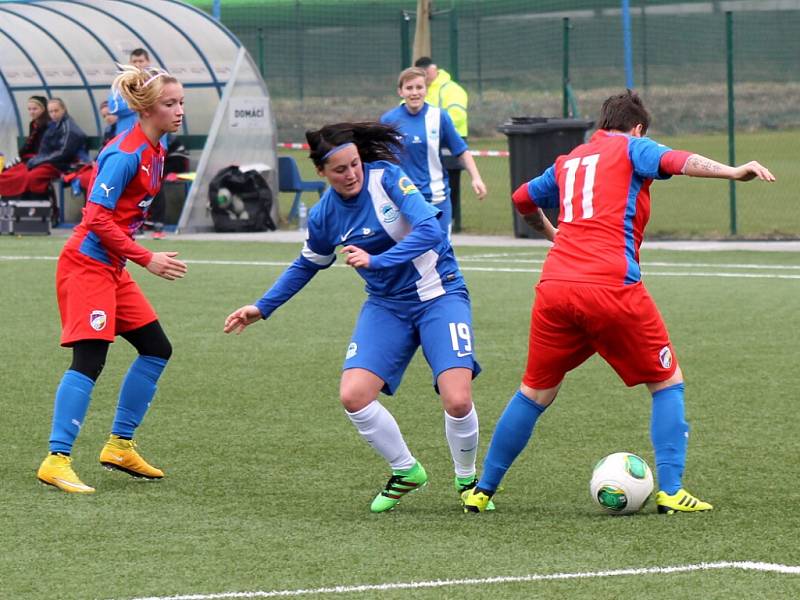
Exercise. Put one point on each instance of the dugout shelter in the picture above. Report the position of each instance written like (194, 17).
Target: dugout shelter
(69, 49)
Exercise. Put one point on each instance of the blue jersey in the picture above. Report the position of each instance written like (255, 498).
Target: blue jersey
(425, 134)
(406, 265)
(126, 116)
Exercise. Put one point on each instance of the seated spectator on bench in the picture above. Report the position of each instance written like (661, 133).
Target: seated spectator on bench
(40, 119)
(62, 143)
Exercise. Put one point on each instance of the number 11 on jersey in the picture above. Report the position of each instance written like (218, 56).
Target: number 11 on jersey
(572, 165)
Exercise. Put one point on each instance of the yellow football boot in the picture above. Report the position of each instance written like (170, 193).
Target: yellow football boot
(56, 470)
(475, 500)
(121, 455)
(680, 501)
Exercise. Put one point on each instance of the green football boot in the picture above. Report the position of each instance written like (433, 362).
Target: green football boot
(399, 484)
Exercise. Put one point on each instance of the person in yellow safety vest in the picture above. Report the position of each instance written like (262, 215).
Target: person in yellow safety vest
(445, 93)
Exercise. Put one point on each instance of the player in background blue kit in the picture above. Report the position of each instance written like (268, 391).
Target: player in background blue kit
(428, 130)
(416, 296)
(117, 106)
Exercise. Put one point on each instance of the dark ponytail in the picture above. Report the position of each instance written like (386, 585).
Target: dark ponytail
(375, 141)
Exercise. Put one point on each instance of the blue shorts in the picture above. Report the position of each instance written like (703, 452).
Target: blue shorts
(388, 333)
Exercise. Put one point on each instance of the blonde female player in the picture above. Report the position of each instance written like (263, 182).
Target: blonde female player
(97, 297)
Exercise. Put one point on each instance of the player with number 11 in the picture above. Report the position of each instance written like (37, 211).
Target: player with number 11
(590, 297)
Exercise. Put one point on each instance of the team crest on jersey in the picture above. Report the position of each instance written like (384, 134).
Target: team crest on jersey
(98, 320)
(352, 349)
(406, 185)
(665, 357)
(389, 212)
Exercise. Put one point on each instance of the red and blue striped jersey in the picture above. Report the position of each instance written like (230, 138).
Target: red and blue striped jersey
(125, 179)
(603, 190)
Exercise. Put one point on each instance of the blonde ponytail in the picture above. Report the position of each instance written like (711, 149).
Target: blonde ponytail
(140, 88)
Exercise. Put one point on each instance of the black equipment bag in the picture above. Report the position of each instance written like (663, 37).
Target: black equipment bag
(240, 201)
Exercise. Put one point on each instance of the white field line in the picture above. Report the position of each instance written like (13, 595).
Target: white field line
(499, 269)
(441, 583)
(485, 258)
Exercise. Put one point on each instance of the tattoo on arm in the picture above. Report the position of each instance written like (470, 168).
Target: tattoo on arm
(704, 164)
(535, 220)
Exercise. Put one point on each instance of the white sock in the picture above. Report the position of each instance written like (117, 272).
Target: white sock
(462, 437)
(378, 427)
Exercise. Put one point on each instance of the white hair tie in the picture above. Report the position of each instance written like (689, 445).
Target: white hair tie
(153, 78)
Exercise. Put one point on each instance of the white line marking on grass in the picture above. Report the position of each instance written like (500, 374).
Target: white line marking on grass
(28, 258)
(269, 263)
(648, 273)
(534, 260)
(440, 583)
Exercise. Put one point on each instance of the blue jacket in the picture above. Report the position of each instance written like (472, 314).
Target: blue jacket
(62, 143)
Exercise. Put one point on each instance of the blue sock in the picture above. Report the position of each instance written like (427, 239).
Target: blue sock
(137, 391)
(669, 432)
(510, 437)
(72, 401)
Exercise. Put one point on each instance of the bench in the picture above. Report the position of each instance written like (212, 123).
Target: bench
(67, 218)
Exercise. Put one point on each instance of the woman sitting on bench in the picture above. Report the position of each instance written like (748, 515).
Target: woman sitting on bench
(62, 142)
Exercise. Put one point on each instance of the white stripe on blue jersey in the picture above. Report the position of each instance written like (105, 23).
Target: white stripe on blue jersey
(383, 214)
(437, 183)
(425, 135)
(387, 211)
(429, 286)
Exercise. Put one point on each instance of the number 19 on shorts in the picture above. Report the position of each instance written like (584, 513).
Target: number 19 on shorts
(461, 339)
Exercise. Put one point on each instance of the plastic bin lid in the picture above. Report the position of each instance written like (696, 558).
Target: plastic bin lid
(529, 124)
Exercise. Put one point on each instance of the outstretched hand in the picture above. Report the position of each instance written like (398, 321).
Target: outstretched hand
(356, 257)
(752, 170)
(164, 264)
(241, 318)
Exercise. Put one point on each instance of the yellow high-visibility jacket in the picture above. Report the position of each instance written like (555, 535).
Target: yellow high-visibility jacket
(447, 94)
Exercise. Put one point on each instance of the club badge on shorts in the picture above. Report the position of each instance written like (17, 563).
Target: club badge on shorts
(98, 320)
(352, 349)
(665, 357)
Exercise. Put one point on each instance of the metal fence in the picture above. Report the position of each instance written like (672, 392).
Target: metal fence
(328, 60)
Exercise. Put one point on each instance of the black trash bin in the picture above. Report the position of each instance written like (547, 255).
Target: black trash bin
(534, 143)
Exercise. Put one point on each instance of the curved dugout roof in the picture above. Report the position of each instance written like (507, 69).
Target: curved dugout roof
(69, 49)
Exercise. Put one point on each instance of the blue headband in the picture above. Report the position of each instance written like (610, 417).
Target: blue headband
(335, 149)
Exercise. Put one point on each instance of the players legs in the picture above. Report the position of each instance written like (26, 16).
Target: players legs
(380, 349)
(445, 331)
(555, 346)
(72, 400)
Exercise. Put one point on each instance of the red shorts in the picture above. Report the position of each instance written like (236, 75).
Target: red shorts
(570, 322)
(96, 301)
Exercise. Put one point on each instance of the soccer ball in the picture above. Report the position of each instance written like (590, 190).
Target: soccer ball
(621, 483)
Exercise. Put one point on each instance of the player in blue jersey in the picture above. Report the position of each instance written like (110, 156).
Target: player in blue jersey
(117, 106)
(97, 297)
(416, 296)
(427, 131)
